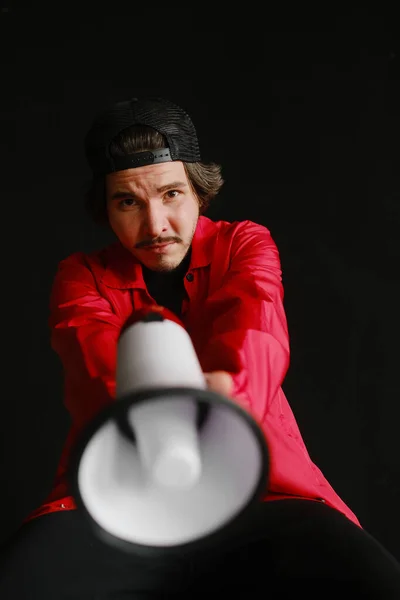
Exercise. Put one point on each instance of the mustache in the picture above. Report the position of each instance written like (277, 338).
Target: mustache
(146, 243)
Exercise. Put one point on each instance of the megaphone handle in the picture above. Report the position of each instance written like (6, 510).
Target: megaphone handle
(124, 426)
(203, 409)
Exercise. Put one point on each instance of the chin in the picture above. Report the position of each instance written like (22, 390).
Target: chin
(163, 264)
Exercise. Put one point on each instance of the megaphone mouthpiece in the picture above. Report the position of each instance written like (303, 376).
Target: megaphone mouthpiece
(166, 436)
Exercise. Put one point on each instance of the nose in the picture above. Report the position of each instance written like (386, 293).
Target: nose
(155, 221)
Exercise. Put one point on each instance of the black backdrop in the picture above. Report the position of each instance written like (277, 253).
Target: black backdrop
(302, 110)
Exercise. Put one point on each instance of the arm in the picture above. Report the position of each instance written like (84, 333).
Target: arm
(84, 334)
(246, 323)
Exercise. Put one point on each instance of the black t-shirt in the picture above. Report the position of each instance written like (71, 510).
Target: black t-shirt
(167, 288)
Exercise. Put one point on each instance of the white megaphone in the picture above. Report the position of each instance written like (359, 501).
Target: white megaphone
(170, 463)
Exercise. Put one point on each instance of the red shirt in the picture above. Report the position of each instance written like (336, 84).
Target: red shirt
(234, 314)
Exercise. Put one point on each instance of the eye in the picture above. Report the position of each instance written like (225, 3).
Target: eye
(172, 194)
(128, 203)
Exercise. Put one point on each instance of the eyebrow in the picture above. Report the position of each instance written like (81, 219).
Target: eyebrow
(170, 186)
(160, 190)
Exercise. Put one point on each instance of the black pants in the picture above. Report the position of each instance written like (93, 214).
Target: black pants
(286, 547)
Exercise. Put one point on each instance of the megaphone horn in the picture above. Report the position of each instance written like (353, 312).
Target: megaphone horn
(170, 463)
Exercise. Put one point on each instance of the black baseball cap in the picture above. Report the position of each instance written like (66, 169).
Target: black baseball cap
(166, 117)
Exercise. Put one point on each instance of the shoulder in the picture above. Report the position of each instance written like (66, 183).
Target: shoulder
(85, 267)
(234, 228)
(96, 260)
(242, 235)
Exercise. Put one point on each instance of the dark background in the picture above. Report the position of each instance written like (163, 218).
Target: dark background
(302, 110)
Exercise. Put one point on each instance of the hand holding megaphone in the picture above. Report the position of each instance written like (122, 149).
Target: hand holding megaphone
(220, 382)
(174, 460)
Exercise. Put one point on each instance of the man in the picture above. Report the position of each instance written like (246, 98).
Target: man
(223, 280)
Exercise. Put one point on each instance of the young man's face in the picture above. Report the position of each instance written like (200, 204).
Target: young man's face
(153, 205)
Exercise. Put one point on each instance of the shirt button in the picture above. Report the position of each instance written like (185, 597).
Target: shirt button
(189, 276)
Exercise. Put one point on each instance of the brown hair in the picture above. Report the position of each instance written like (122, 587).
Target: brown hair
(205, 179)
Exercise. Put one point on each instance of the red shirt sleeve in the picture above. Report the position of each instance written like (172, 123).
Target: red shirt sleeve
(247, 332)
(84, 334)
